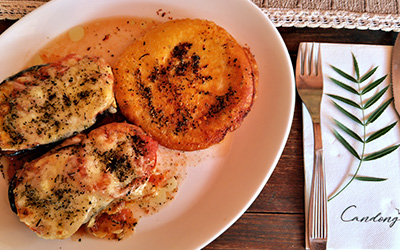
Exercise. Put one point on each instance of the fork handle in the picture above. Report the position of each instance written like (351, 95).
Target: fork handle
(317, 136)
(318, 201)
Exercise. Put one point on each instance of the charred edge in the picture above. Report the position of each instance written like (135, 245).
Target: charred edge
(11, 197)
(33, 68)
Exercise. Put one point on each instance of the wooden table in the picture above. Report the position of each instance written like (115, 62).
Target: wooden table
(276, 219)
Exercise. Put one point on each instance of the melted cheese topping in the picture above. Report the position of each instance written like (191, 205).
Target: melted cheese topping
(47, 103)
(118, 220)
(62, 190)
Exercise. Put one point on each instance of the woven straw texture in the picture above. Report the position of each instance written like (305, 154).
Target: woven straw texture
(351, 14)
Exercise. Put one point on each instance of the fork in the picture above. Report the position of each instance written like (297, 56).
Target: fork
(309, 84)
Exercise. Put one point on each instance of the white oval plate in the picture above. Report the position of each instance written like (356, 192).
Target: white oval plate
(214, 194)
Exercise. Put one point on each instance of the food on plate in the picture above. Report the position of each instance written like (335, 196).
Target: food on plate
(46, 103)
(115, 222)
(183, 84)
(57, 193)
(118, 220)
(186, 83)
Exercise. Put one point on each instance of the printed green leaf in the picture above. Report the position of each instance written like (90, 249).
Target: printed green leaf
(348, 131)
(346, 144)
(381, 153)
(362, 88)
(348, 114)
(368, 75)
(373, 85)
(366, 178)
(378, 111)
(344, 86)
(375, 98)
(344, 74)
(356, 68)
(345, 100)
(380, 132)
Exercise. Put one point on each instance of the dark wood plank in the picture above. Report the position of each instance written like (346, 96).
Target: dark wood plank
(4, 24)
(263, 231)
(293, 36)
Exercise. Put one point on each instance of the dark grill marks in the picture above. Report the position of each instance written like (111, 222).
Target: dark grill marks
(222, 102)
(181, 50)
(182, 64)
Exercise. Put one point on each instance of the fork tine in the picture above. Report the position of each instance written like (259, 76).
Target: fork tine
(307, 59)
(314, 59)
(319, 65)
(300, 59)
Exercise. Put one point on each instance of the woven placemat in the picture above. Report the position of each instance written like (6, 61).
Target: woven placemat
(15, 9)
(350, 14)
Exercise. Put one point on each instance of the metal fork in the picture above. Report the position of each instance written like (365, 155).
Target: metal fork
(309, 84)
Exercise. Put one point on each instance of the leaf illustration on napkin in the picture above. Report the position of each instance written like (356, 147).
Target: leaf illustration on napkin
(365, 118)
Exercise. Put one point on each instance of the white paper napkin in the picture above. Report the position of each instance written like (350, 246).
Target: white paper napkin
(366, 215)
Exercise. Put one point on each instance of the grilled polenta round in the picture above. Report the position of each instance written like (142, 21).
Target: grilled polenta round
(186, 83)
